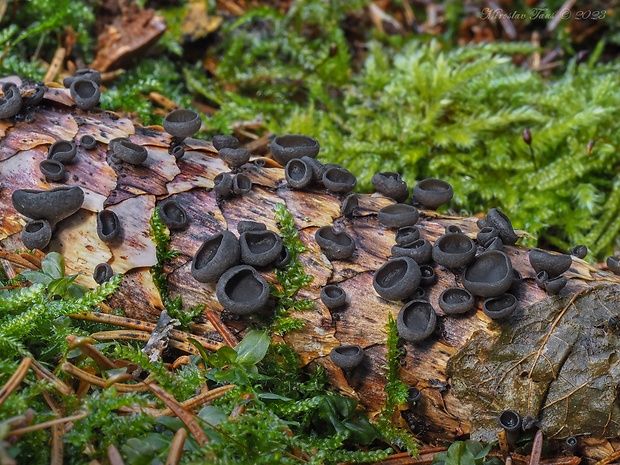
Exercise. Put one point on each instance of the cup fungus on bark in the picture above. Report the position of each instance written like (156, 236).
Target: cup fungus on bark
(579, 251)
(235, 158)
(398, 215)
(456, 300)
(222, 184)
(11, 101)
(127, 151)
(318, 168)
(349, 205)
(173, 215)
(182, 123)
(489, 275)
(241, 184)
(453, 250)
(397, 278)
(85, 93)
(33, 97)
(432, 192)
(553, 264)
(510, 421)
(62, 150)
(333, 296)
(486, 234)
(347, 357)
(177, 151)
(420, 250)
(52, 205)
(260, 248)
(88, 142)
(246, 225)
(391, 185)
(453, 229)
(413, 396)
(298, 173)
(218, 253)
(36, 234)
(108, 225)
(338, 179)
(53, 170)
(102, 273)
(613, 264)
(283, 258)
(336, 245)
(242, 290)
(289, 146)
(497, 219)
(407, 235)
(83, 73)
(429, 277)
(416, 321)
(500, 307)
(222, 141)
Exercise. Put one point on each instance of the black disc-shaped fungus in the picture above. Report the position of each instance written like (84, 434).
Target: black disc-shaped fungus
(85, 93)
(397, 278)
(11, 101)
(407, 235)
(500, 307)
(52, 205)
(241, 184)
(37, 234)
(429, 277)
(455, 300)
(88, 142)
(489, 275)
(416, 321)
(453, 250)
(182, 123)
(338, 179)
(222, 141)
(129, 152)
(298, 173)
(347, 357)
(398, 215)
(433, 192)
(223, 184)
(420, 250)
(108, 225)
(497, 219)
(235, 158)
(246, 225)
(349, 205)
(62, 150)
(53, 170)
(260, 248)
(173, 215)
(553, 264)
(102, 273)
(218, 253)
(579, 251)
(333, 296)
(613, 263)
(289, 146)
(336, 245)
(391, 185)
(242, 290)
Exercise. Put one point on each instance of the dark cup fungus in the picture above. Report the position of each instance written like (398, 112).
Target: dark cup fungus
(53, 205)
(336, 245)
(391, 185)
(37, 234)
(398, 215)
(182, 123)
(245, 225)
(235, 158)
(53, 170)
(429, 277)
(407, 235)
(222, 141)
(485, 235)
(241, 184)
(298, 174)
(420, 250)
(260, 248)
(173, 215)
(349, 205)
(489, 275)
(85, 93)
(419, 294)
(347, 357)
(497, 219)
(34, 96)
(453, 250)
(613, 264)
(494, 244)
(455, 300)
(318, 168)
(102, 273)
(260, 162)
(579, 251)
(517, 279)
(11, 101)
(413, 396)
(453, 229)
(88, 142)
(416, 321)
(242, 290)
(541, 279)
(108, 225)
(218, 253)
(333, 296)
(222, 184)
(433, 192)
(289, 146)
(553, 286)
(283, 259)
(127, 151)
(339, 180)
(510, 421)
(553, 264)
(397, 278)
(62, 150)
(500, 307)
(177, 151)
(570, 445)
(87, 73)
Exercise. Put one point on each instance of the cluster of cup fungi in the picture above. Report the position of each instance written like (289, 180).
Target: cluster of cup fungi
(233, 263)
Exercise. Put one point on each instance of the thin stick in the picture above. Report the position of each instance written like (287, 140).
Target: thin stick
(610, 458)
(176, 447)
(51, 378)
(196, 400)
(221, 328)
(142, 336)
(100, 382)
(48, 424)
(86, 346)
(55, 65)
(14, 381)
(536, 448)
(114, 456)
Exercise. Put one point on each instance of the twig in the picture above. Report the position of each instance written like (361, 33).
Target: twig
(142, 336)
(176, 447)
(55, 65)
(196, 400)
(15, 380)
(536, 448)
(100, 382)
(568, 4)
(615, 455)
(86, 346)
(114, 456)
(221, 328)
(51, 378)
(48, 424)
(58, 432)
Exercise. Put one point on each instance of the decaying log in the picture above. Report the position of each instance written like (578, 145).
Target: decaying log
(555, 359)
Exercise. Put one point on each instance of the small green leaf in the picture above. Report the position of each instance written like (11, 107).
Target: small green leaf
(212, 415)
(59, 286)
(459, 455)
(54, 265)
(252, 348)
(37, 277)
